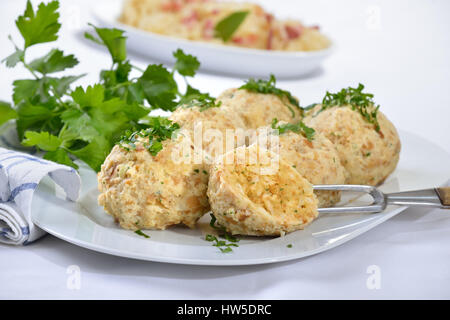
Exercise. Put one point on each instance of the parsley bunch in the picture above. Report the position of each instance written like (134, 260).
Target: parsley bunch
(357, 99)
(298, 127)
(269, 87)
(85, 123)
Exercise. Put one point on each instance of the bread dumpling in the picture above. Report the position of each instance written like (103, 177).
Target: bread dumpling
(252, 192)
(368, 155)
(142, 191)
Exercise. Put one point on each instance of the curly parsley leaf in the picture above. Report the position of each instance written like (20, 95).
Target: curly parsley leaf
(40, 26)
(298, 127)
(186, 64)
(226, 27)
(54, 61)
(269, 87)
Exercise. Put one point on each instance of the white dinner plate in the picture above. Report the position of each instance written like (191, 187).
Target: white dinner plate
(422, 165)
(214, 57)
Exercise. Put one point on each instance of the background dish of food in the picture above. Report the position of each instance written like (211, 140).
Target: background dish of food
(86, 224)
(215, 57)
(232, 23)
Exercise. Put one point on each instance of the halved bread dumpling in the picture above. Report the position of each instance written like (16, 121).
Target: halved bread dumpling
(252, 192)
(316, 160)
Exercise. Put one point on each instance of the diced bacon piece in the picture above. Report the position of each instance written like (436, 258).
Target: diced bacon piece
(215, 11)
(270, 39)
(269, 18)
(247, 40)
(172, 5)
(238, 40)
(252, 38)
(190, 19)
(293, 32)
(208, 29)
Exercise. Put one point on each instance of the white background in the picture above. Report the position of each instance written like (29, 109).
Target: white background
(399, 49)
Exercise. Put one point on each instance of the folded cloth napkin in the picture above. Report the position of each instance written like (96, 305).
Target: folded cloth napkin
(20, 174)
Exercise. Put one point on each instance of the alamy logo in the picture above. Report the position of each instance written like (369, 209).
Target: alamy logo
(215, 146)
(374, 280)
(373, 21)
(74, 278)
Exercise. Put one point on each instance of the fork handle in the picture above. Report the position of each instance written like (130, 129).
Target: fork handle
(438, 197)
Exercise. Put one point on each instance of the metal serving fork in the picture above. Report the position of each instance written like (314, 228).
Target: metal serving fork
(437, 197)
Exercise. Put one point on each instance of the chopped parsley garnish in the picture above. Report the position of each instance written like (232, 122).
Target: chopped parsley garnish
(142, 234)
(194, 98)
(85, 122)
(226, 27)
(269, 87)
(224, 246)
(289, 246)
(357, 100)
(159, 129)
(298, 127)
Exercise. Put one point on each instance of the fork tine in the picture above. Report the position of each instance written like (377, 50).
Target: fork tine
(378, 205)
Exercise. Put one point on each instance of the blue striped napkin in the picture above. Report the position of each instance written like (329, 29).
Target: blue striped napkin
(20, 174)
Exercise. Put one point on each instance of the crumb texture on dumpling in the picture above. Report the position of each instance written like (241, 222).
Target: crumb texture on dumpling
(316, 160)
(211, 126)
(251, 197)
(258, 109)
(368, 156)
(142, 191)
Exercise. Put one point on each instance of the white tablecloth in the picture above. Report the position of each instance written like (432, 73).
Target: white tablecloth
(399, 50)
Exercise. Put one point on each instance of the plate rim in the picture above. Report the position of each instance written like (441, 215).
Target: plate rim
(236, 262)
(218, 263)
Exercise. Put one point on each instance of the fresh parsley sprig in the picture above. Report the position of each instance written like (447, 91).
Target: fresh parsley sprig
(85, 123)
(298, 127)
(269, 87)
(357, 100)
